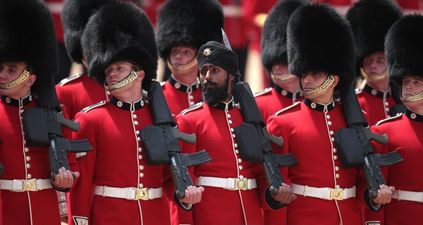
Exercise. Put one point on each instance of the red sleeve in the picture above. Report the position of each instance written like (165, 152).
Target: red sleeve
(82, 193)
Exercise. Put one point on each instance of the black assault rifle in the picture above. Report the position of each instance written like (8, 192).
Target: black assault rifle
(43, 127)
(354, 144)
(161, 142)
(255, 142)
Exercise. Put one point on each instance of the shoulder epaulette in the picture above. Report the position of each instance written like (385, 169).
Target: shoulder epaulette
(69, 79)
(262, 92)
(286, 108)
(88, 108)
(388, 119)
(192, 108)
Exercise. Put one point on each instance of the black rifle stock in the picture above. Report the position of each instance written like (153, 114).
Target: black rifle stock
(254, 140)
(42, 127)
(161, 142)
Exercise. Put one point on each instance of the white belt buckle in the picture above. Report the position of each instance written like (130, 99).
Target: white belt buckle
(24, 185)
(336, 194)
(241, 183)
(141, 194)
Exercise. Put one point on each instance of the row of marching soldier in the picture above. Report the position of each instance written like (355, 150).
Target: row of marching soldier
(200, 148)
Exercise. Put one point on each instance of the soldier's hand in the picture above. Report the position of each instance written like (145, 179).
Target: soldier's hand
(193, 195)
(65, 178)
(384, 195)
(284, 194)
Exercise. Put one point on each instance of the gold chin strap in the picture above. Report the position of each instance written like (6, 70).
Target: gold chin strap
(413, 98)
(321, 89)
(128, 79)
(281, 77)
(183, 68)
(373, 78)
(22, 77)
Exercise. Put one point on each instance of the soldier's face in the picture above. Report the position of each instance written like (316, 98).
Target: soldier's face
(180, 56)
(282, 77)
(312, 80)
(412, 86)
(117, 72)
(9, 72)
(215, 81)
(374, 64)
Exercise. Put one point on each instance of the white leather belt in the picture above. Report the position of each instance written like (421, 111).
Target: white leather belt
(228, 183)
(414, 196)
(324, 193)
(25, 185)
(129, 193)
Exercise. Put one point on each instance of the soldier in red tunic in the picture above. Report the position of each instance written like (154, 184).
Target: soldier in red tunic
(404, 52)
(182, 27)
(285, 88)
(235, 189)
(78, 91)
(326, 192)
(28, 64)
(370, 21)
(117, 186)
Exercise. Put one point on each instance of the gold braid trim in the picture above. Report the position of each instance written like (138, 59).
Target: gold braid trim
(22, 77)
(373, 78)
(281, 77)
(413, 98)
(183, 68)
(128, 79)
(319, 90)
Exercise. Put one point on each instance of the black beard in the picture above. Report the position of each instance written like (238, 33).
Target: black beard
(214, 94)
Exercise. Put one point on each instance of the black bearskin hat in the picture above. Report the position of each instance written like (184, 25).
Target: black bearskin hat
(370, 21)
(404, 47)
(27, 34)
(188, 22)
(120, 32)
(319, 39)
(75, 15)
(273, 41)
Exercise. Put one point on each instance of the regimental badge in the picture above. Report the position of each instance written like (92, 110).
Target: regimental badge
(207, 52)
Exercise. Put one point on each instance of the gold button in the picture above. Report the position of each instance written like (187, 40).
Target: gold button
(28, 158)
(230, 121)
(141, 167)
(237, 151)
(336, 168)
(140, 149)
(141, 185)
(334, 150)
(134, 116)
(331, 132)
(335, 157)
(332, 139)
(140, 157)
(337, 186)
(329, 123)
(137, 132)
(29, 176)
(240, 160)
(26, 149)
(386, 103)
(240, 167)
(228, 115)
(232, 130)
(141, 175)
(337, 175)
(135, 123)
(328, 116)
(241, 177)
(28, 165)
(236, 145)
(191, 97)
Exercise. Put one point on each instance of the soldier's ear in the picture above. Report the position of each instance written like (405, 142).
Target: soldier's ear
(31, 79)
(336, 80)
(141, 74)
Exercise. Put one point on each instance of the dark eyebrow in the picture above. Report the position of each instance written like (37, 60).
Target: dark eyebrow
(11, 65)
